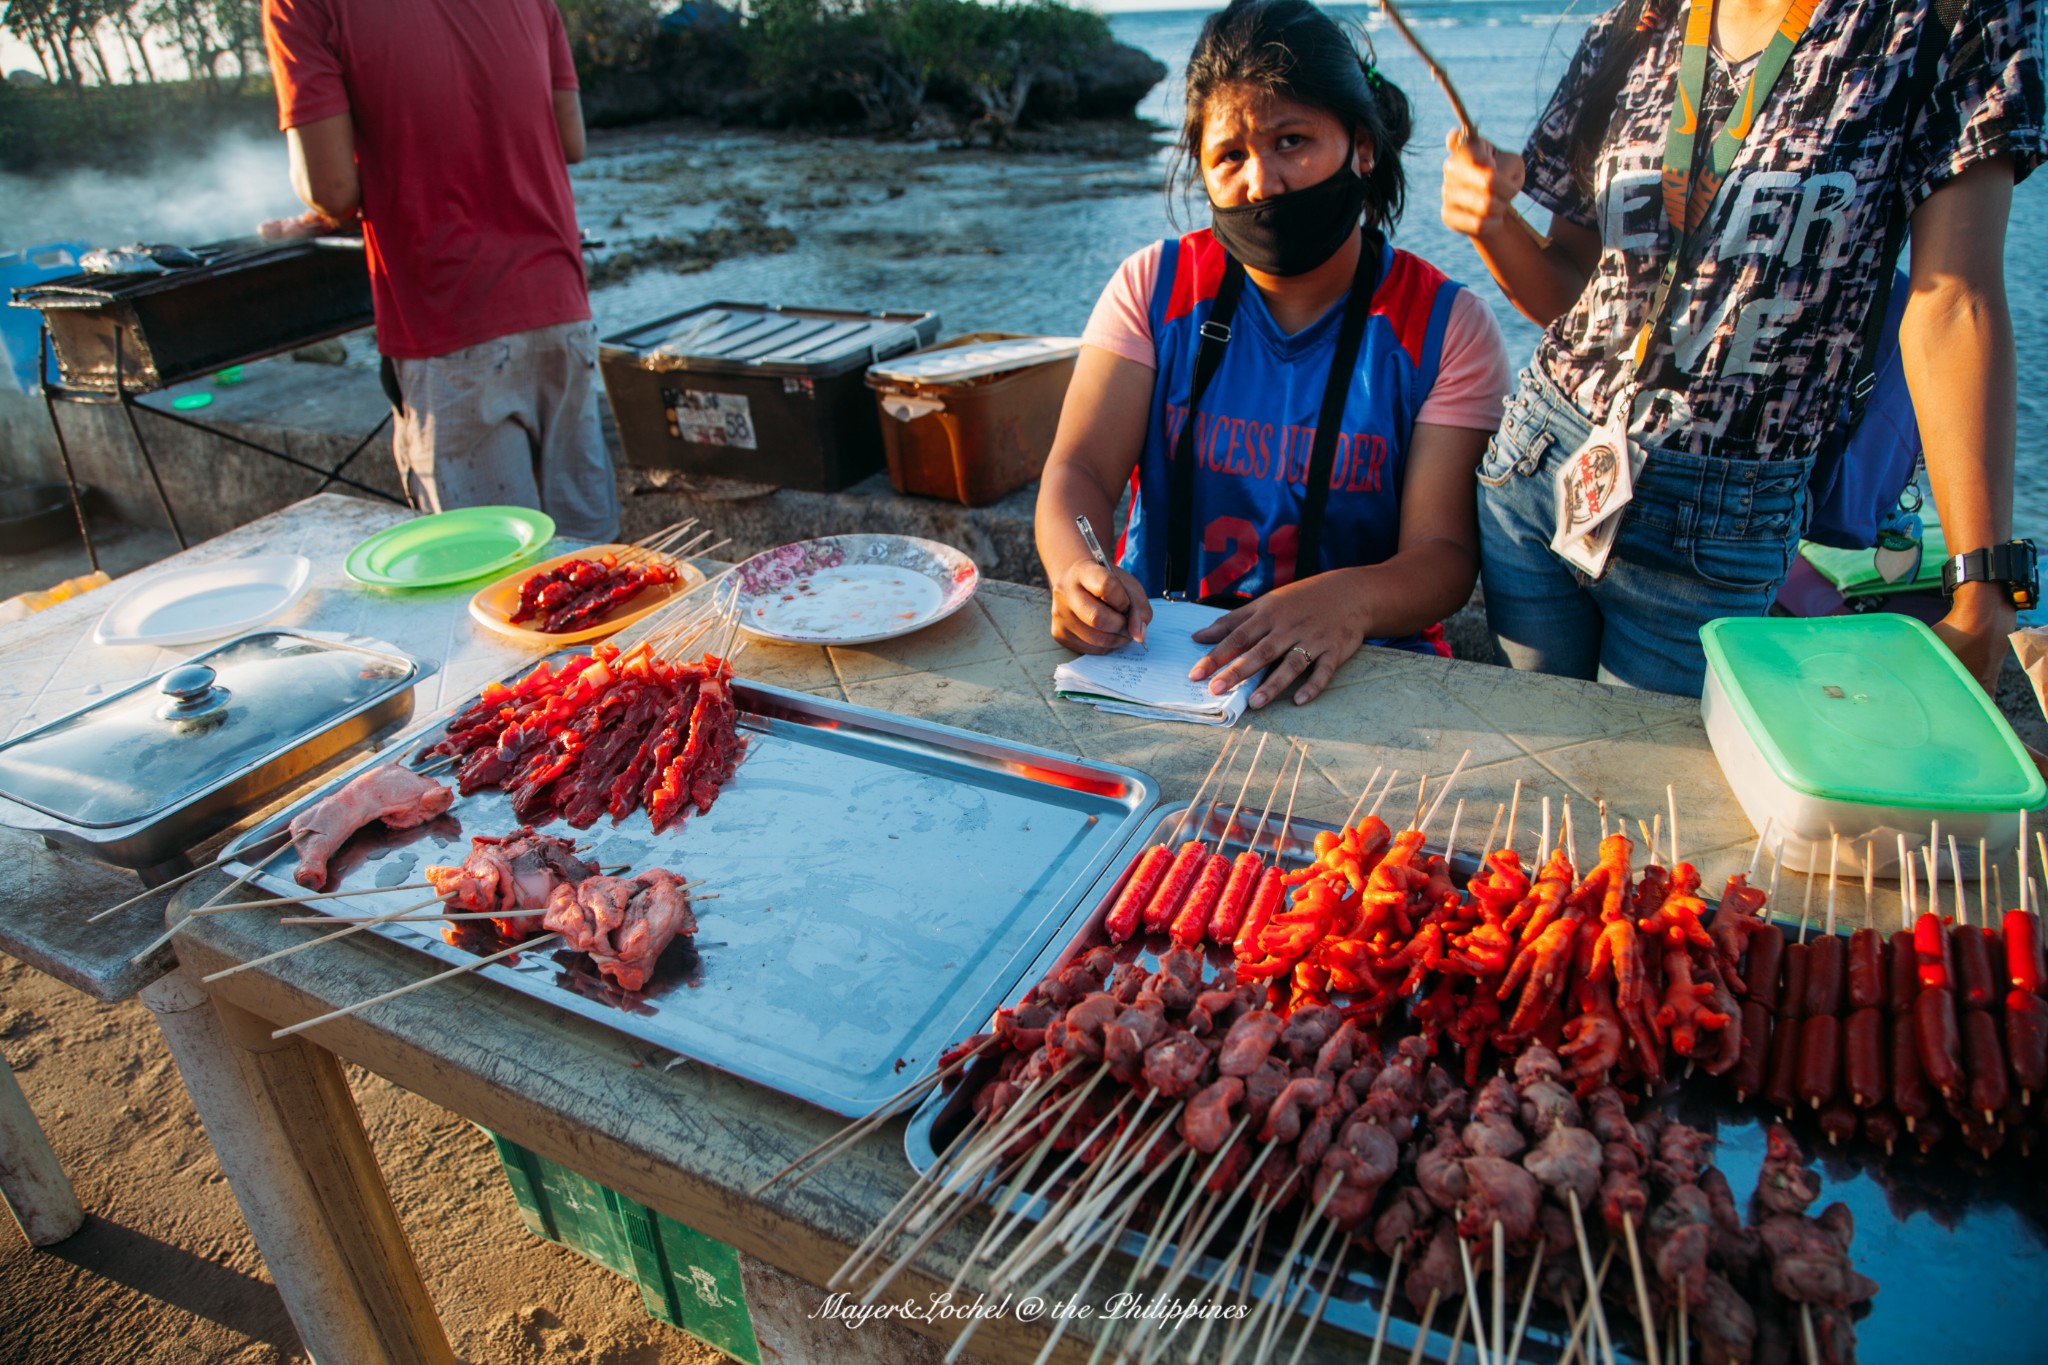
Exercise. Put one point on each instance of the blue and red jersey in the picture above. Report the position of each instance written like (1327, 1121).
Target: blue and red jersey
(1255, 428)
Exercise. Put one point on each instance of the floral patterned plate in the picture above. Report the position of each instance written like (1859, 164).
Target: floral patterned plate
(852, 590)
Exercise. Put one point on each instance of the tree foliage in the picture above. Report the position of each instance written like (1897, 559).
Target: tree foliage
(101, 42)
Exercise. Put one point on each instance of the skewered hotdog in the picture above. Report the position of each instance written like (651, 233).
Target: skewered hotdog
(1174, 887)
(1986, 1057)
(1825, 962)
(1866, 975)
(1903, 971)
(1839, 1120)
(1863, 1058)
(1781, 1076)
(2026, 1043)
(1191, 918)
(1792, 1001)
(1139, 889)
(1932, 953)
(2023, 950)
(1756, 1049)
(1910, 1095)
(1766, 958)
(1266, 902)
(1976, 979)
(1941, 1043)
(1237, 897)
(1882, 1126)
(1820, 1058)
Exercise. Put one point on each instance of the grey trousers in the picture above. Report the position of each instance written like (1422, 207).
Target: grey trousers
(510, 421)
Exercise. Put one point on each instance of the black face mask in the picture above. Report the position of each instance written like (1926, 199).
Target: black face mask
(1292, 233)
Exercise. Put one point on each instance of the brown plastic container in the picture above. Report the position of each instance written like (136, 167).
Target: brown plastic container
(989, 437)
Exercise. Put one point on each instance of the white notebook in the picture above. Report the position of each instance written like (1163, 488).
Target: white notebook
(1152, 680)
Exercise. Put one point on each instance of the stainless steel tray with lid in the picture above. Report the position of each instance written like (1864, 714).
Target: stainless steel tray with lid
(882, 882)
(149, 772)
(1956, 1244)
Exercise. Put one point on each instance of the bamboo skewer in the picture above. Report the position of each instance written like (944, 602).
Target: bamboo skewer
(527, 946)
(176, 881)
(1500, 1284)
(1514, 815)
(1834, 856)
(1422, 1329)
(1391, 779)
(1635, 1260)
(1449, 782)
(1379, 1336)
(1529, 1294)
(895, 1104)
(1287, 821)
(302, 900)
(1330, 1279)
(1671, 796)
(1955, 864)
(1603, 1333)
(1272, 797)
(1471, 1305)
(1181, 824)
(1363, 792)
(165, 937)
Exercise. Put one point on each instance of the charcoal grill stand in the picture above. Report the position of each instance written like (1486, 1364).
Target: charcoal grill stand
(129, 401)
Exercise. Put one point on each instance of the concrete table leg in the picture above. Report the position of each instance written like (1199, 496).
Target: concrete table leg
(291, 1143)
(30, 1178)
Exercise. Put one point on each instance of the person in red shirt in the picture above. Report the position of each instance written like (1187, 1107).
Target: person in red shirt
(449, 127)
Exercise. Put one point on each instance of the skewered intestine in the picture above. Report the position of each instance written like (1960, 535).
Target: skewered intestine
(392, 793)
(625, 925)
(519, 871)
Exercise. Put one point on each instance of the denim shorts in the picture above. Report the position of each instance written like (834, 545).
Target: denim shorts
(1703, 538)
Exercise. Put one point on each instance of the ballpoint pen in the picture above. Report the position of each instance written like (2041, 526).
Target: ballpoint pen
(1095, 548)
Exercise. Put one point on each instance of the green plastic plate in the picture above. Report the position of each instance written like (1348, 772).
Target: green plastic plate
(449, 547)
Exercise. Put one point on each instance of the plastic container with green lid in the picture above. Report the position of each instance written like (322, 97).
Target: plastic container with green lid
(1864, 726)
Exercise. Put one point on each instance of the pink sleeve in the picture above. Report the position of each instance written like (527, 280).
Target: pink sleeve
(1122, 321)
(561, 66)
(1473, 378)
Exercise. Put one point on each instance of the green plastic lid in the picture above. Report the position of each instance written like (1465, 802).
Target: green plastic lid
(1871, 709)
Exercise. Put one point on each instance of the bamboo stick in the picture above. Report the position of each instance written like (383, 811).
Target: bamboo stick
(528, 946)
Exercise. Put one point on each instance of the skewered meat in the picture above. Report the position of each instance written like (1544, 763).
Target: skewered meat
(520, 871)
(1303, 1096)
(1567, 1160)
(1263, 1087)
(624, 924)
(1437, 1271)
(1206, 1121)
(1247, 1044)
(393, 793)
(1408, 1220)
(1784, 1185)
(1680, 1235)
(578, 591)
(1725, 1322)
(1501, 1192)
(1492, 1131)
(1350, 1203)
(1175, 1065)
(1440, 1170)
(1810, 1261)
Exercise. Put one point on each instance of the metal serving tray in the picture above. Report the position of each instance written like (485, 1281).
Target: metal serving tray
(1958, 1246)
(883, 883)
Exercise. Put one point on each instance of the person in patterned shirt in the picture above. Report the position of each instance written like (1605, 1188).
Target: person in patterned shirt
(1749, 365)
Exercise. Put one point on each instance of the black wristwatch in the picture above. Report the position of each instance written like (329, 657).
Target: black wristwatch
(2011, 564)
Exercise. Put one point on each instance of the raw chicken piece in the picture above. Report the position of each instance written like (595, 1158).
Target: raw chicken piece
(393, 793)
(625, 925)
(521, 871)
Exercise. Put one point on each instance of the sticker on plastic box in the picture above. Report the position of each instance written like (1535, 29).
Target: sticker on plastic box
(710, 419)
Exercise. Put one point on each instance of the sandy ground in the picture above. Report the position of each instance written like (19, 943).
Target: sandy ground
(164, 1270)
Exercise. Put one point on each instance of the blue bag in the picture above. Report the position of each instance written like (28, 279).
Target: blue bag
(1853, 492)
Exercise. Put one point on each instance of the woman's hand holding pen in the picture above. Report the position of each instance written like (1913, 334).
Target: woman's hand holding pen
(1097, 608)
(1304, 631)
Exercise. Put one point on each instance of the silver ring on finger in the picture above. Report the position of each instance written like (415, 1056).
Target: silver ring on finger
(1308, 657)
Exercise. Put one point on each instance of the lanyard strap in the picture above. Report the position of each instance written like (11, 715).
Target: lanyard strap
(1181, 551)
(1689, 188)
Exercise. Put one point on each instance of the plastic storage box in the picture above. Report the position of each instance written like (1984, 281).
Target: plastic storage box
(973, 417)
(756, 392)
(1863, 726)
(685, 1278)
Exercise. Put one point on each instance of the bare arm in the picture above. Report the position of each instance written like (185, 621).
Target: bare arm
(1541, 277)
(1329, 615)
(323, 166)
(1101, 434)
(1957, 346)
(569, 123)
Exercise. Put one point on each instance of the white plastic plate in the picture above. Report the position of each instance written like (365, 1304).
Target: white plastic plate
(205, 602)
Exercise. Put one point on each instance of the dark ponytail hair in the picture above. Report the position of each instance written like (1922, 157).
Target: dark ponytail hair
(1636, 22)
(1291, 48)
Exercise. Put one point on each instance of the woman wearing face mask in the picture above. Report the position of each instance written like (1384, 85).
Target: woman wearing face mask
(1318, 327)
(1723, 179)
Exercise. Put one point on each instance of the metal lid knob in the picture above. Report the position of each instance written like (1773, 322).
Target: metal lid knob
(194, 694)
